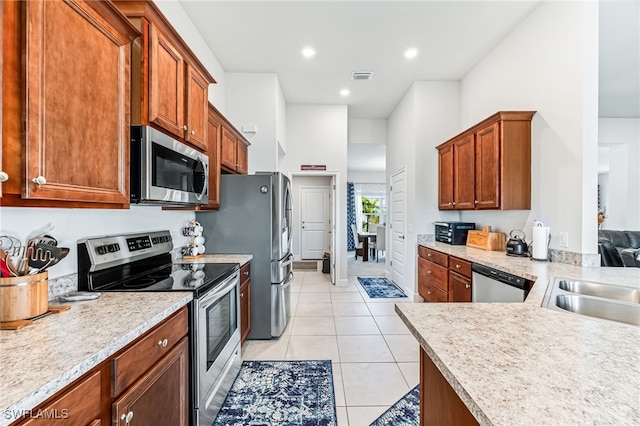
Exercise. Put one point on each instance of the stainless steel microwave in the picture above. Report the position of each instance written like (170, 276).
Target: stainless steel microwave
(166, 171)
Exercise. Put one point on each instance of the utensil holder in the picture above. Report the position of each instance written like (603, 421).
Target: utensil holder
(24, 297)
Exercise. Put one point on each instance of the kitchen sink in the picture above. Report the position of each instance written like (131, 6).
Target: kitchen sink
(599, 308)
(595, 300)
(607, 291)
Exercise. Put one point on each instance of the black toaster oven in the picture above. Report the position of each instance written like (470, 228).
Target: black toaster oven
(454, 233)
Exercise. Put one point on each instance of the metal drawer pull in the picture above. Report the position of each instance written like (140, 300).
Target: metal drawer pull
(428, 292)
(467, 286)
(163, 343)
(457, 265)
(241, 294)
(428, 272)
(428, 254)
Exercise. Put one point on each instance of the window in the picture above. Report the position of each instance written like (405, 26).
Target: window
(371, 205)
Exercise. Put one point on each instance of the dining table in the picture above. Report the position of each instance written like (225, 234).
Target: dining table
(364, 237)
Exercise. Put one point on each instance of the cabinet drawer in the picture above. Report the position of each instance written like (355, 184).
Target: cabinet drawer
(434, 256)
(245, 272)
(80, 406)
(433, 273)
(432, 293)
(134, 361)
(462, 267)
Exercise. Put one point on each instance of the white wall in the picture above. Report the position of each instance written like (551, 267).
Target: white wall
(622, 197)
(317, 134)
(252, 99)
(368, 130)
(366, 177)
(426, 116)
(178, 18)
(71, 225)
(547, 64)
(296, 183)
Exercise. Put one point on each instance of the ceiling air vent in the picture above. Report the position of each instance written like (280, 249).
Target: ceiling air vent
(362, 75)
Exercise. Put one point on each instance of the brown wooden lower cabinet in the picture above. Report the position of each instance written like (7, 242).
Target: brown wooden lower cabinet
(459, 288)
(443, 278)
(439, 403)
(245, 302)
(160, 396)
(156, 394)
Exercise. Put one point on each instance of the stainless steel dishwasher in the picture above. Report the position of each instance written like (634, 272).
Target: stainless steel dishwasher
(494, 286)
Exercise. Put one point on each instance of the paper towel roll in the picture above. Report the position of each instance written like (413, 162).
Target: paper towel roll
(540, 241)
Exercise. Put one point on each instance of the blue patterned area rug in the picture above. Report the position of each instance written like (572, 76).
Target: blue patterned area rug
(405, 412)
(283, 393)
(380, 287)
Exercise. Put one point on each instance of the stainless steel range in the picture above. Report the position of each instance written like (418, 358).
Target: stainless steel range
(142, 262)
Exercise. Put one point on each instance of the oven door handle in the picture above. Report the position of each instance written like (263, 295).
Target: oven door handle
(226, 286)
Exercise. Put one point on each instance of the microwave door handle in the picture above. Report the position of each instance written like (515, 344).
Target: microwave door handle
(205, 187)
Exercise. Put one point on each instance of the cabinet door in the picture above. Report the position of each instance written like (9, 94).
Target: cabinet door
(242, 157)
(459, 288)
(228, 150)
(445, 177)
(463, 173)
(166, 84)
(197, 108)
(214, 132)
(77, 102)
(161, 396)
(80, 406)
(487, 173)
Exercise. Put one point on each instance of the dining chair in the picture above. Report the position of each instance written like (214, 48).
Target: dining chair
(356, 240)
(380, 240)
(372, 240)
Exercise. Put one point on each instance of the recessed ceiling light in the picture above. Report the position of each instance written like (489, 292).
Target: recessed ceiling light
(411, 53)
(345, 92)
(308, 52)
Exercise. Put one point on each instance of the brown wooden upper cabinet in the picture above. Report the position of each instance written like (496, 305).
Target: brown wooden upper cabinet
(488, 166)
(234, 152)
(214, 134)
(66, 138)
(169, 84)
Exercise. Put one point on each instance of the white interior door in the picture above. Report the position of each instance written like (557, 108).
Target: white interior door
(332, 229)
(398, 193)
(314, 222)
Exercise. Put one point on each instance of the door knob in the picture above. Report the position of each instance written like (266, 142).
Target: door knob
(401, 237)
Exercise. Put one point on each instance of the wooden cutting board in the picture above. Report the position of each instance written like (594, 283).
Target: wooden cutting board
(491, 241)
(18, 324)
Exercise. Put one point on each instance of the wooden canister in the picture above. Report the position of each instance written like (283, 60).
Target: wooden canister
(24, 297)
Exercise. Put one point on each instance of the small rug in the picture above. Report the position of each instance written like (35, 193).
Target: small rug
(306, 264)
(380, 287)
(283, 393)
(405, 412)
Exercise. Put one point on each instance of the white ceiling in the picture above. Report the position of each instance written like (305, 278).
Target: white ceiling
(452, 36)
(267, 36)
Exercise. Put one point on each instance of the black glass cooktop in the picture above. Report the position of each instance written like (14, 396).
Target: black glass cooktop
(150, 275)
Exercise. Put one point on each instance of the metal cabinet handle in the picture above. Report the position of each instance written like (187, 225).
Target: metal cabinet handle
(241, 294)
(193, 132)
(467, 286)
(127, 417)
(246, 272)
(4, 177)
(184, 127)
(450, 203)
(453, 204)
(428, 254)
(428, 291)
(428, 272)
(476, 202)
(40, 180)
(163, 343)
(458, 265)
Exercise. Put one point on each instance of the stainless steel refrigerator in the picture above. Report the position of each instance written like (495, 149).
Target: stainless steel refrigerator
(255, 217)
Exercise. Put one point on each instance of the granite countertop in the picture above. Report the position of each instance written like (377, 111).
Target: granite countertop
(41, 359)
(519, 363)
(242, 259)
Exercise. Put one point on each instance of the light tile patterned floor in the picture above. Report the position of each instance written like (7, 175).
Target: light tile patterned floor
(375, 358)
